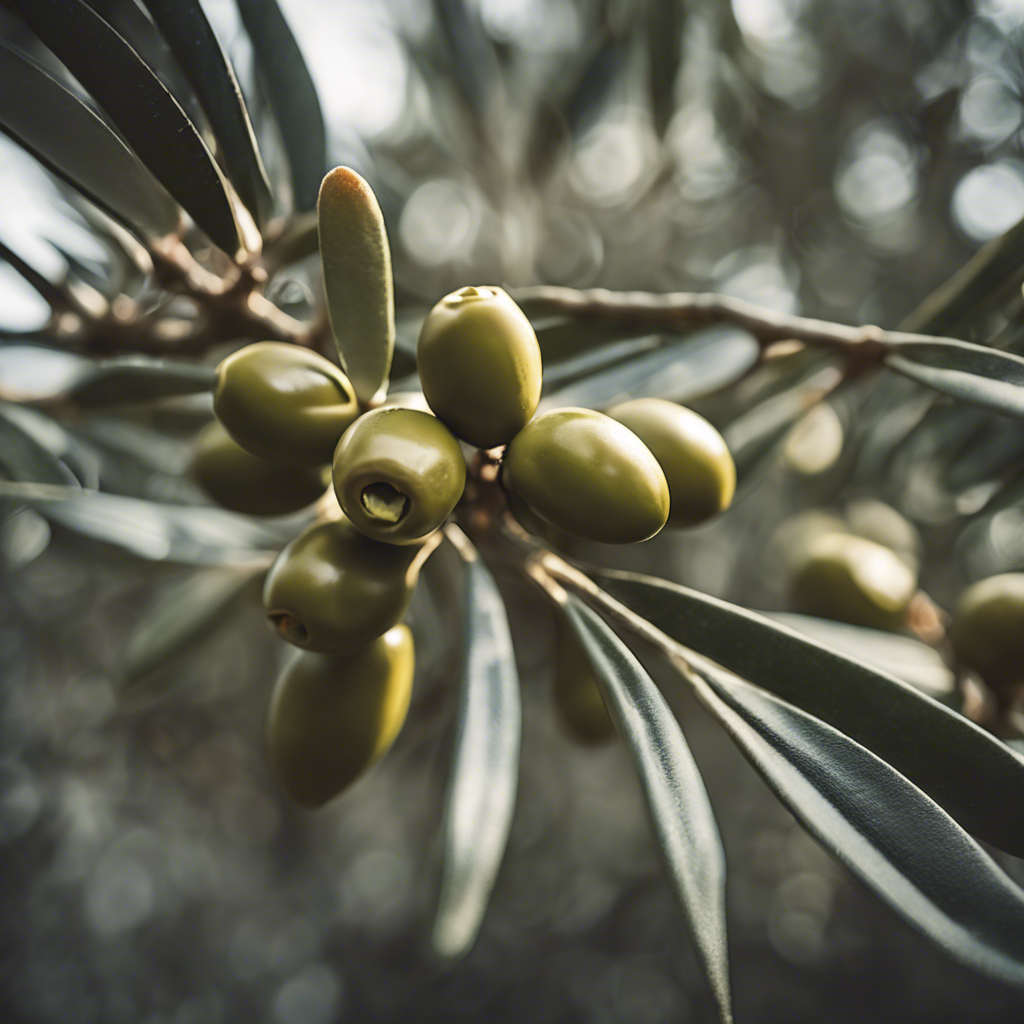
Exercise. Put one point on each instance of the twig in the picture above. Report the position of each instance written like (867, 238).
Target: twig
(680, 310)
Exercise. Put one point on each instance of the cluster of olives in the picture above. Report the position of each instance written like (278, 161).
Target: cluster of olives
(288, 421)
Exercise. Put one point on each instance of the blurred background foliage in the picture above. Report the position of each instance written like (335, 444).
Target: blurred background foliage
(840, 160)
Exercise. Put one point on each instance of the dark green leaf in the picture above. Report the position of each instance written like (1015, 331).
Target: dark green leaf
(473, 63)
(171, 533)
(58, 129)
(136, 379)
(292, 94)
(184, 617)
(485, 763)
(23, 457)
(665, 20)
(564, 339)
(356, 263)
(703, 362)
(900, 656)
(971, 774)
(970, 373)
(882, 827)
(202, 58)
(145, 113)
(676, 797)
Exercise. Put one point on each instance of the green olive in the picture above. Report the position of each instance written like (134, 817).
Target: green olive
(988, 630)
(883, 524)
(398, 473)
(333, 590)
(577, 697)
(480, 366)
(243, 483)
(589, 475)
(697, 463)
(332, 716)
(853, 580)
(284, 403)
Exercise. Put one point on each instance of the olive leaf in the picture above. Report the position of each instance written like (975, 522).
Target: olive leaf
(485, 762)
(142, 109)
(900, 656)
(878, 824)
(357, 278)
(971, 373)
(292, 95)
(24, 458)
(665, 23)
(977, 779)
(202, 58)
(157, 532)
(702, 362)
(181, 620)
(676, 797)
(60, 131)
(474, 65)
(137, 379)
(563, 338)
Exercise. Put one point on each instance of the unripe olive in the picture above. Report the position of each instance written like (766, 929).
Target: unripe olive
(332, 716)
(577, 697)
(284, 403)
(398, 473)
(589, 475)
(697, 463)
(853, 580)
(480, 366)
(883, 524)
(243, 483)
(333, 590)
(988, 630)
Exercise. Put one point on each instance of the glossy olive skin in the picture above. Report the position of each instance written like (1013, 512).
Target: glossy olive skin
(854, 580)
(333, 590)
(699, 468)
(480, 365)
(589, 475)
(579, 702)
(987, 631)
(284, 403)
(332, 716)
(243, 483)
(398, 473)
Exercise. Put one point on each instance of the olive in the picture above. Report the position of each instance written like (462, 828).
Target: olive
(853, 580)
(883, 524)
(284, 403)
(987, 631)
(480, 366)
(589, 475)
(244, 483)
(697, 463)
(577, 696)
(332, 716)
(333, 590)
(398, 473)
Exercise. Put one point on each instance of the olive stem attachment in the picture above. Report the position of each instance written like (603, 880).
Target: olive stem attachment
(685, 310)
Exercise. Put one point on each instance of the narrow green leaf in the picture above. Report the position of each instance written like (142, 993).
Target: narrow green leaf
(60, 131)
(970, 373)
(156, 532)
(568, 338)
(882, 827)
(900, 656)
(24, 458)
(977, 779)
(473, 63)
(357, 278)
(202, 58)
(485, 763)
(292, 94)
(665, 22)
(181, 620)
(678, 802)
(146, 114)
(701, 363)
(136, 379)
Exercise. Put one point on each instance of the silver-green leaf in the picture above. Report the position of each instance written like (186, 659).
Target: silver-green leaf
(678, 802)
(485, 764)
(976, 778)
(877, 823)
